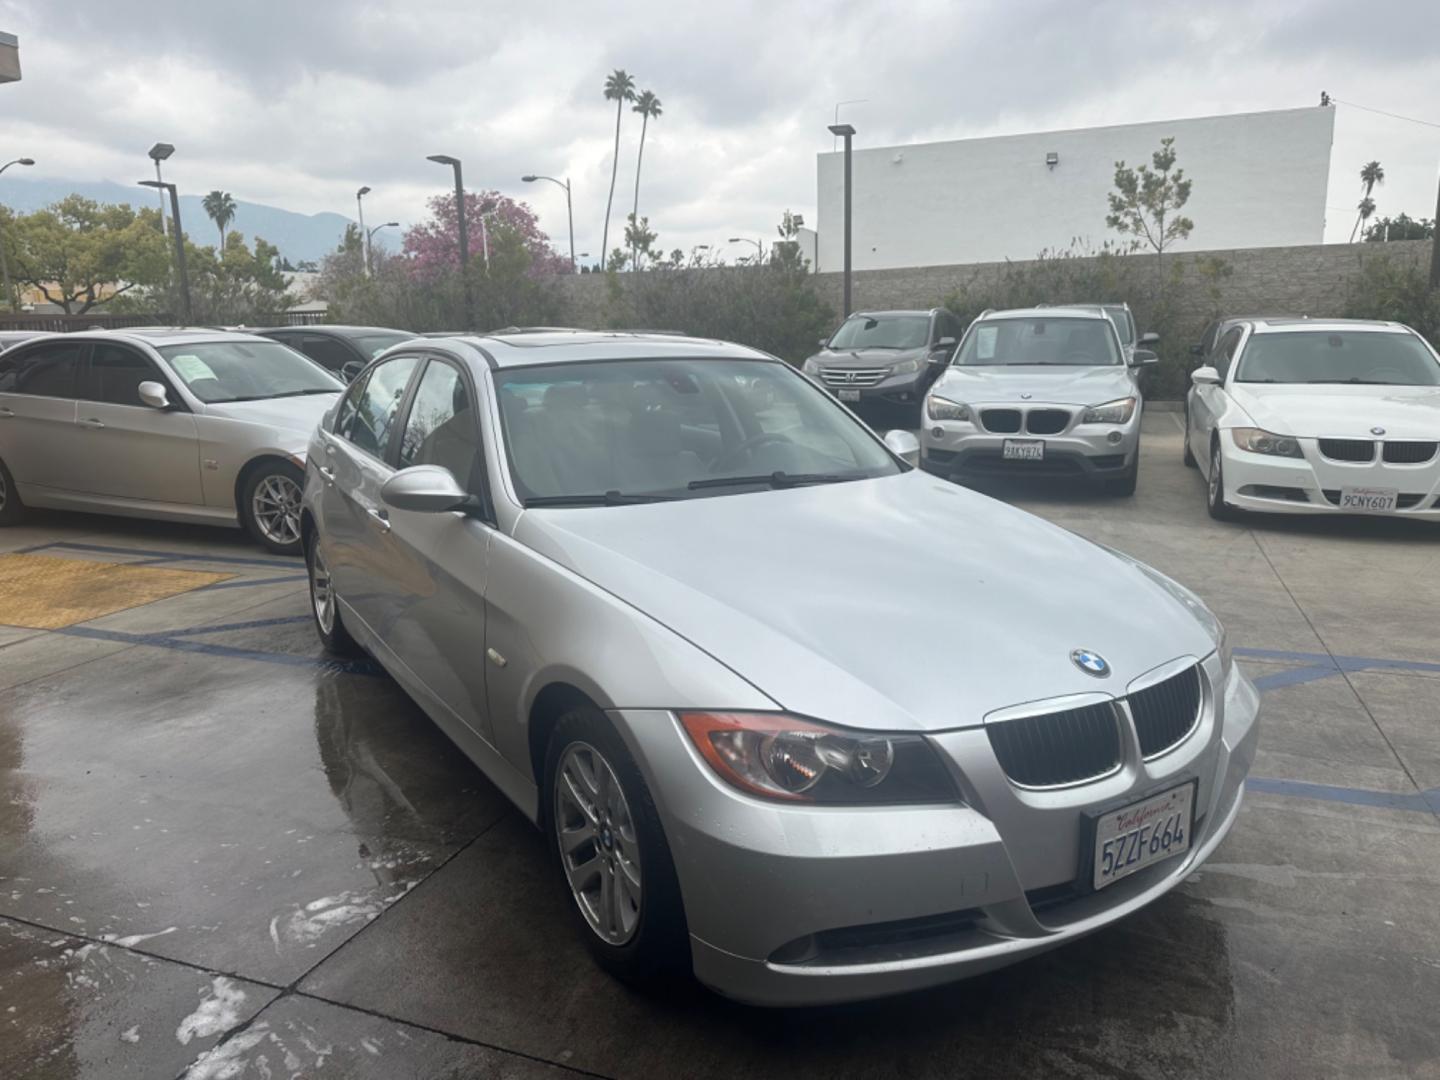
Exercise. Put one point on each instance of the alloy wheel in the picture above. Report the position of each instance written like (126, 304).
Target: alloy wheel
(322, 590)
(599, 847)
(276, 508)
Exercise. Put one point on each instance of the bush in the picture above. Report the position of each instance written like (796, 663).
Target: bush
(1385, 289)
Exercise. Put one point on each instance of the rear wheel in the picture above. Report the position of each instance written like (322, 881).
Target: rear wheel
(1215, 502)
(1189, 455)
(270, 506)
(324, 605)
(12, 510)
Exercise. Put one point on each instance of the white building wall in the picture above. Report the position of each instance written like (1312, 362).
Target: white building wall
(1259, 181)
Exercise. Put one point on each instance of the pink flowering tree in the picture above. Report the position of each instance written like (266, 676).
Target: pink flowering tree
(433, 247)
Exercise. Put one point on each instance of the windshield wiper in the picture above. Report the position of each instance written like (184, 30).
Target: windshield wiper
(302, 393)
(775, 480)
(1354, 380)
(609, 498)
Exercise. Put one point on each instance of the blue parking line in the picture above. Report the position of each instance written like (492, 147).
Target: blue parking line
(245, 583)
(1425, 802)
(166, 640)
(164, 556)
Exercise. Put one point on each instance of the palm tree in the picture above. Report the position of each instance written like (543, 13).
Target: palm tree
(647, 105)
(220, 205)
(1371, 174)
(619, 88)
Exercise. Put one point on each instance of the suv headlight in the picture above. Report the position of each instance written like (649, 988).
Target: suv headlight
(784, 758)
(811, 366)
(1112, 412)
(939, 408)
(904, 367)
(1259, 441)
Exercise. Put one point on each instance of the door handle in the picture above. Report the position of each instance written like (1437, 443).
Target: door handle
(380, 519)
(92, 422)
(328, 474)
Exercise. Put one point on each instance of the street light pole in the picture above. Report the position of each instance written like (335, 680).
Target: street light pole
(161, 151)
(10, 298)
(846, 132)
(454, 163)
(370, 241)
(569, 210)
(179, 234)
(759, 247)
(364, 236)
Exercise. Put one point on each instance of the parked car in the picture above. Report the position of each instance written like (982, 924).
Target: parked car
(1124, 320)
(9, 338)
(1038, 392)
(184, 425)
(756, 749)
(889, 356)
(343, 350)
(1317, 416)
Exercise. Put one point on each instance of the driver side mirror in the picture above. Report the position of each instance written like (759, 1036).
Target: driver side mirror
(153, 394)
(1143, 358)
(822, 342)
(426, 489)
(1205, 376)
(350, 369)
(1150, 338)
(941, 349)
(903, 445)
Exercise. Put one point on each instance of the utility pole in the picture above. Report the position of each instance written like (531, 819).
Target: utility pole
(846, 132)
(178, 232)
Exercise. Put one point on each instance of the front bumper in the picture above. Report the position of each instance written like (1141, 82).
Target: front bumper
(964, 449)
(1312, 484)
(801, 906)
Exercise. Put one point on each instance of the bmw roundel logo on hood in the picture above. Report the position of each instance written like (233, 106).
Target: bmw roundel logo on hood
(1091, 663)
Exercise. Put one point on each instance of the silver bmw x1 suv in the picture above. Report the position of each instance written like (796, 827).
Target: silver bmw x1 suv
(635, 579)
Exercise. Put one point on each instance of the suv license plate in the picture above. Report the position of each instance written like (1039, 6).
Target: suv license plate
(1141, 834)
(1023, 450)
(1368, 500)
(849, 395)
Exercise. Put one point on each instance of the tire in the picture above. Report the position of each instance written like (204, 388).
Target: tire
(1188, 457)
(1124, 486)
(12, 510)
(270, 506)
(652, 943)
(324, 606)
(1215, 502)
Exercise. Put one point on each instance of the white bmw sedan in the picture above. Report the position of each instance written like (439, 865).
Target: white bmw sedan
(1317, 417)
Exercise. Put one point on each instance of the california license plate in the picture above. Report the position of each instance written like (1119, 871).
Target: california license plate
(1368, 500)
(1139, 835)
(1023, 450)
(849, 395)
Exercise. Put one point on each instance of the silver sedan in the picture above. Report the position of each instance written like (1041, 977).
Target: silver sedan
(183, 425)
(790, 713)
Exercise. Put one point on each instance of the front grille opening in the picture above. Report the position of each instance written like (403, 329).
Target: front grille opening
(1348, 449)
(1275, 491)
(1167, 712)
(1001, 421)
(858, 944)
(1058, 748)
(1403, 501)
(860, 377)
(1046, 421)
(940, 457)
(992, 461)
(1408, 453)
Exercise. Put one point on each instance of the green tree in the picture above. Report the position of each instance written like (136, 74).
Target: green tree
(79, 253)
(1146, 204)
(1401, 227)
(220, 206)
(619, 88)
(1371, 173)
(640, 239)
(648, 106)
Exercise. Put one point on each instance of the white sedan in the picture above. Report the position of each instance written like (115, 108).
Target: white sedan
(1317, 416)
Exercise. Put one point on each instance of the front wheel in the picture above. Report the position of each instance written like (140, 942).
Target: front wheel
(1124, 485)
(613, 857)
(270, 506)
(1215, 502)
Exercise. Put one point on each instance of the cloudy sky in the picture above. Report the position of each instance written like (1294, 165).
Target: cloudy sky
(295, 104)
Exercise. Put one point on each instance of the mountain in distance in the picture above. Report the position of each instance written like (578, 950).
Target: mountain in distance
(300, 237)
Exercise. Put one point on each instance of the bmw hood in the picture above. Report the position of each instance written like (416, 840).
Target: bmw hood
(297, 414)
(1405, 412)
(1044, 384)
(902, 603)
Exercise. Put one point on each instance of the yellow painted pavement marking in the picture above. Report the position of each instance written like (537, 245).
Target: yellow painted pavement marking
(46, 593)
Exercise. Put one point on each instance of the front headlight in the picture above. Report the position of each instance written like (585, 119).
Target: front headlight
(788, 759)
(1112, 412)
(904, 367)
(939, 408)
(1259, 441)
(811, 366)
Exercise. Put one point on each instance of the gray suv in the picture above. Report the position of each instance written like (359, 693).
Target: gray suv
(889, 356)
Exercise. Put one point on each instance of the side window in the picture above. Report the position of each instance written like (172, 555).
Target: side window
(378, 404)
(44, 370)
(1225, 351)
(349, 408)
(441, 428)
(327, 352)
(114, 375)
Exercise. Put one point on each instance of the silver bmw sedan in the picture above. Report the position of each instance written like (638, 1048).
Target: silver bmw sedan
(790, 713)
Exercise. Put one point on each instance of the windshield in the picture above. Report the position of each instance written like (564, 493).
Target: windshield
(372, 345)
(637, 430)
(1124, 322)
(216, 371)
(1388, 359)
(882, 332)
(1040, 341)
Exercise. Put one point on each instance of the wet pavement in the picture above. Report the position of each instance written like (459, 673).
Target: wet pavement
(223, 855)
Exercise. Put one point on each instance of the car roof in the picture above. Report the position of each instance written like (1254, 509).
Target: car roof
(158, 336)
(334, 330)
(892, 312)
(1275, 324)
(525, 348)
(1076, 312)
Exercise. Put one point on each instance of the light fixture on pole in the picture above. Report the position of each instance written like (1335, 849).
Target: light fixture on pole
(179, 234)
(364, 236)
(370, 241)
(569, 209)
(10, 297)
(846, 132)
(454, 163)
(759, 247)
(161, 151)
